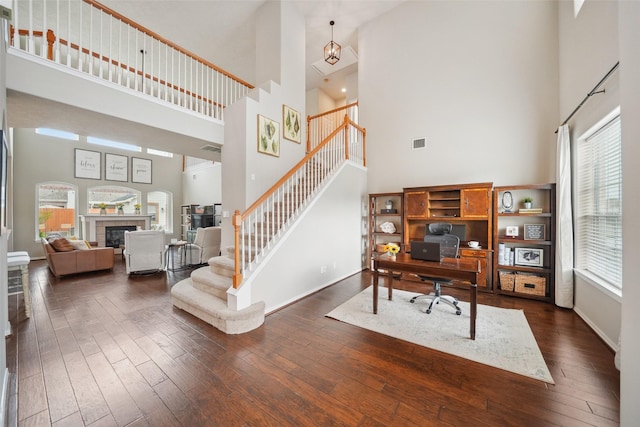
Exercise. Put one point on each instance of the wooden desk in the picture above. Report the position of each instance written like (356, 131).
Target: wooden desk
(465, 269)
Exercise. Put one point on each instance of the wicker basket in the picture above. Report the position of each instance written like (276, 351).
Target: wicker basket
(507, 281)
(531, 284)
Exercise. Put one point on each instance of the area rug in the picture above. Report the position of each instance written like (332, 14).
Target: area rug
(503, 337)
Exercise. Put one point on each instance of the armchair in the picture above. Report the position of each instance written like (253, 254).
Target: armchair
(205, 245)
(144, 251)
(449, 244)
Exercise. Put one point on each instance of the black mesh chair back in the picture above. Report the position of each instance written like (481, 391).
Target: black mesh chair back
(449, 244)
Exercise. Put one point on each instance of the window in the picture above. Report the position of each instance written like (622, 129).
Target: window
(599, 202)
(56, 209)
(113, 197)
(160, 207)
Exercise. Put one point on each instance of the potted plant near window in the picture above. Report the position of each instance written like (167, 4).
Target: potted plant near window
(103, 208)
(137, 207)
(527, 201)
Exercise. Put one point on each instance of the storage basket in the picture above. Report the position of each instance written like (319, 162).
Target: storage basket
(507, 281)
(380, 247)
(531, 284)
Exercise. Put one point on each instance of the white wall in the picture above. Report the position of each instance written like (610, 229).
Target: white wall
(249, 174)
(202, 185)
(629, 34)
(478, 79)
(330, 234)
(588, 50)
(39, 158)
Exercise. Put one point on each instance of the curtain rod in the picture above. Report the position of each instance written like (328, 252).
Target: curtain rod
(590, 94)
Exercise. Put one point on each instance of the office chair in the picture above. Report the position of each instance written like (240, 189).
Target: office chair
(448, 249)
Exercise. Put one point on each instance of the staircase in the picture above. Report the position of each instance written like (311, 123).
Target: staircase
(204, 295)
(257, 234)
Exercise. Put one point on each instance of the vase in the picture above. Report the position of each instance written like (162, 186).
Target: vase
(392, 257)
(120, 212)
(103, 211)
(137, 211)
(527, 205)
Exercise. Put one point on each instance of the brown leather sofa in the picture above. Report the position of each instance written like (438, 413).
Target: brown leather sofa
(77, 261)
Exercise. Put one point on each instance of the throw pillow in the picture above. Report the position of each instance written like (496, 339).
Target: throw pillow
(79, 245)
(62, 245)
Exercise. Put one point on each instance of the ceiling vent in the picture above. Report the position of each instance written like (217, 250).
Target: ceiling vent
(347, 57)
(419, 143)
(212, 148)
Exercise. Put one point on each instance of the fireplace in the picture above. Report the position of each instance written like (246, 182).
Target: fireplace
(114, 235)
(94, 226)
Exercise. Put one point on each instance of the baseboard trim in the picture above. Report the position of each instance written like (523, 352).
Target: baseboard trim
(598, 331)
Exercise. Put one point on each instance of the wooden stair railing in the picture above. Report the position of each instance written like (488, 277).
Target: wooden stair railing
(256, 229)
(321, 125)
(199, 85)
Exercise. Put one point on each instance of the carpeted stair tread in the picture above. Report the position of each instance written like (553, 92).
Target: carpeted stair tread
(222, 265)
(214, 311)
(211, 283)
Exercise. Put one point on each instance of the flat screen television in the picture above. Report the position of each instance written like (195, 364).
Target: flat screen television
(201, 220)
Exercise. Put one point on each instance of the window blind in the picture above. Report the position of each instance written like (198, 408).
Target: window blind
(599, 202)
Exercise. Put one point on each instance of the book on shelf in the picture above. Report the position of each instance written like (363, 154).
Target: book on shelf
(530, 211)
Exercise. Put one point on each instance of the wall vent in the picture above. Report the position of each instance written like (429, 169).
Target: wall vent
(419, 143)
(212, 148)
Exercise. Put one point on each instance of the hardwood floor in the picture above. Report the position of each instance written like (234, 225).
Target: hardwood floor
(108, 350)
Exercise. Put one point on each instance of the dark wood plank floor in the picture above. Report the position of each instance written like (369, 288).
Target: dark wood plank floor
(108, 350)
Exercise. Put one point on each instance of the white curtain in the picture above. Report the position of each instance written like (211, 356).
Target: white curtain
(564, 221)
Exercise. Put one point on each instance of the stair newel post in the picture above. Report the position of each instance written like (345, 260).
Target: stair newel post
(308, 134)
(364, 147)
(51, 39)
(237, 223)
(346, 137)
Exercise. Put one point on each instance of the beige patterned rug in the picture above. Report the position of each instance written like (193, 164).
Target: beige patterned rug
(503, 337)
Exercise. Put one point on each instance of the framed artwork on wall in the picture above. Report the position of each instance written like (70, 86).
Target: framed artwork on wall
(140, 170)
(87, 164)
(268, 136)
(291, 129)
(116, 168)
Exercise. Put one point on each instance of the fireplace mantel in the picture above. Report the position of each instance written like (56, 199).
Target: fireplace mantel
(93, 225)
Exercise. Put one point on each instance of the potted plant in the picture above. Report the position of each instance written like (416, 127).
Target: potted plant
(120, 207)
(137, 207)
(103, 208)
(527, 202)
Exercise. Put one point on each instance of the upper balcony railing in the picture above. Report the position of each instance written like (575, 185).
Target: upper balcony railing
(91, 38)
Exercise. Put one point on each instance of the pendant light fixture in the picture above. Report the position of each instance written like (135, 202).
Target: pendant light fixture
(332, 49)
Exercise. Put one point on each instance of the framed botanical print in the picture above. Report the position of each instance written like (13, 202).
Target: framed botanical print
(268, 136)
(291, 128)
(116, 168)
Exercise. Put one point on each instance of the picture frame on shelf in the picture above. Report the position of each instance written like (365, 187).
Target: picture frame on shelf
(268, 136)
(291, 129)
(116, 167)
(529, 257)
(534, 231)
(511, 231)
(141, 170)
(87, 164)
